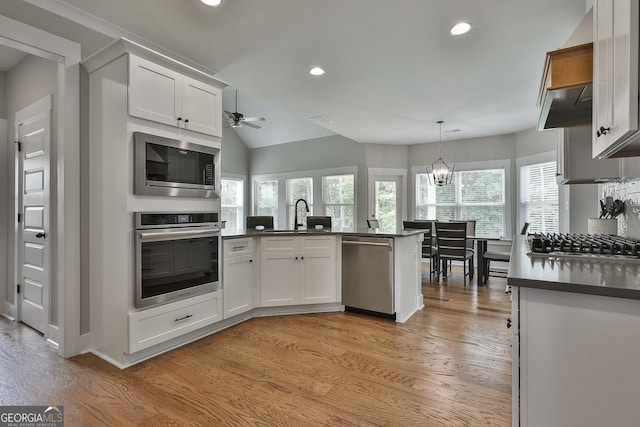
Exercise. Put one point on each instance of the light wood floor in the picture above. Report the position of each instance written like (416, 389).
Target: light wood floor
(449, 365)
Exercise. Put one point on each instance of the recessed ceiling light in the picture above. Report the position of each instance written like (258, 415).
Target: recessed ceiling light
(316, 71)
(460, 28)
(212, 2)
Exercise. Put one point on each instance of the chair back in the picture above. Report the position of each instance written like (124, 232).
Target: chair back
(324, 221)
(471, 230)
(265, 221)
(427, 243)
(452, 239)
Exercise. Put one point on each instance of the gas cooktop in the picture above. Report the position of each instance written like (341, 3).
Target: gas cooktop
(584, 245)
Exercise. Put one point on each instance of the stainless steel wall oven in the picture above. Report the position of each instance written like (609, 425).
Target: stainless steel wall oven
(170, 167)
(177, 256)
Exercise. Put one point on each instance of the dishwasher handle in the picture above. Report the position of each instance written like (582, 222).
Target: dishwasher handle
(352, 242)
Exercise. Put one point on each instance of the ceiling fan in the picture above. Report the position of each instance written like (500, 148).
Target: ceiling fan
(236, 120)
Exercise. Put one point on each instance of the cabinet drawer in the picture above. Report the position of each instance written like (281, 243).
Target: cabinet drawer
(279, 244)
(318, 243)
(158, 324)
(237, 247)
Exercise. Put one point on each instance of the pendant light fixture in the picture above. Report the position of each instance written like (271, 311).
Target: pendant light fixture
(440, 174)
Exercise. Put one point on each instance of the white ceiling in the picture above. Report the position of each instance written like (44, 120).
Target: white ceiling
(392, 68)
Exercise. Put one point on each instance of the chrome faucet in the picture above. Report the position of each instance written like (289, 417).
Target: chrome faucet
(295, 221)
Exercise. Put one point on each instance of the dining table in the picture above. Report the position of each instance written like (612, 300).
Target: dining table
(481, 247)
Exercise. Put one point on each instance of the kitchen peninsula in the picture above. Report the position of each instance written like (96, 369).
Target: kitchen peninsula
(576, 340)
(283, 271)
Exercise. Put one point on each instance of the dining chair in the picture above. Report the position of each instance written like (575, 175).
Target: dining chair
(471, 231)
(500, 256)
(451, 238)
(324, 221)
(265, 221)
(429, 250)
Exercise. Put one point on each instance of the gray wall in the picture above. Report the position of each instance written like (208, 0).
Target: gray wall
(3, 94)
(337, 151)
(235, 155)
(30, 80)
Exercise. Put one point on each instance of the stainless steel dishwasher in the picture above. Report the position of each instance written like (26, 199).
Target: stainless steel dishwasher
(367, 274)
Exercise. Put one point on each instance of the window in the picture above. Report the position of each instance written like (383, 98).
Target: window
(474, 195)
(231, 200)
(266, 198)
(299, 188)
(539, 197)
(338, 195)
(335, 188)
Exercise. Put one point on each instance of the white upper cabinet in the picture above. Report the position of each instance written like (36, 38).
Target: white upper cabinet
(163, 95)
(615, 82)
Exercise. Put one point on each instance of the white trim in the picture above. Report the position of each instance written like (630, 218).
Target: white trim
(395, 172)
(237, 177)
(563, 190)
(477, 166)
(66, 241)
(316, 174)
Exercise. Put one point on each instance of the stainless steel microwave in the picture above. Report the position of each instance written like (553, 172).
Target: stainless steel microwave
(171, 167)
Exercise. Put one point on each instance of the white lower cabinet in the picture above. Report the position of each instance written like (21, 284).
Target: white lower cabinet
(159, 324)
(238, 276)
(298, 270)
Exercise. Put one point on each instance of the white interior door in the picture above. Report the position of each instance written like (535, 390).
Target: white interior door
(33, 131)
(385, 201)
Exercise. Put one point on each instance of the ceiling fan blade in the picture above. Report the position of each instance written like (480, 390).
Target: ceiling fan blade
(253, 119)
(251, 125)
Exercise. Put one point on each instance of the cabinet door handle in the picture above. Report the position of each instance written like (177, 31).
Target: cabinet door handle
(184, 318)
(250, 260)
(179, 119)
(301, 257)
(509, 323)
(296, 257)
(602, 131)
(186, 120)
(237, 248)
(40, 235)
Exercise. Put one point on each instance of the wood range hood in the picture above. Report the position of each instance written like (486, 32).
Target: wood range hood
(566, 89)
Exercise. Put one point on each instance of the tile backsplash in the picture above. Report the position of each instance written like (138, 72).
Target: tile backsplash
(629, 193)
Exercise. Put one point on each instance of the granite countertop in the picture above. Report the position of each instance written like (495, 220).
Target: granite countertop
(585, 275)
(236, 233)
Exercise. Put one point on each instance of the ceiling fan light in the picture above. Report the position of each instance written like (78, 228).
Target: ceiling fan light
(213, 3)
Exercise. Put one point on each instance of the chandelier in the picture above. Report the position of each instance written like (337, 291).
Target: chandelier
(439, 173)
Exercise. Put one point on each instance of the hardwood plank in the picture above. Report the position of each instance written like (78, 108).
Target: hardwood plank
(449, 365)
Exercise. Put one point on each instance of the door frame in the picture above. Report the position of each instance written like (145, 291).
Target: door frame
(64, 334)
(372, 174)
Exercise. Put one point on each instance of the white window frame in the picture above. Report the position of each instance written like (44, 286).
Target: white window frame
(237, 177)
(504, 164)
(316, 174)
(563, 208)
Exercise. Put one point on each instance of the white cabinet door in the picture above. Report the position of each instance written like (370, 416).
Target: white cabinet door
(318, 277)
(615, 79)
(165, 96)
(201, 107)
(237, 285)
(279, 279)
(155, 92)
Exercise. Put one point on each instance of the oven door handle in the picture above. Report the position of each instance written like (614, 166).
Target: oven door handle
(177, 234)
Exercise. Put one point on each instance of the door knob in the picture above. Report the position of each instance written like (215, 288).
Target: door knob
(41, 235)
